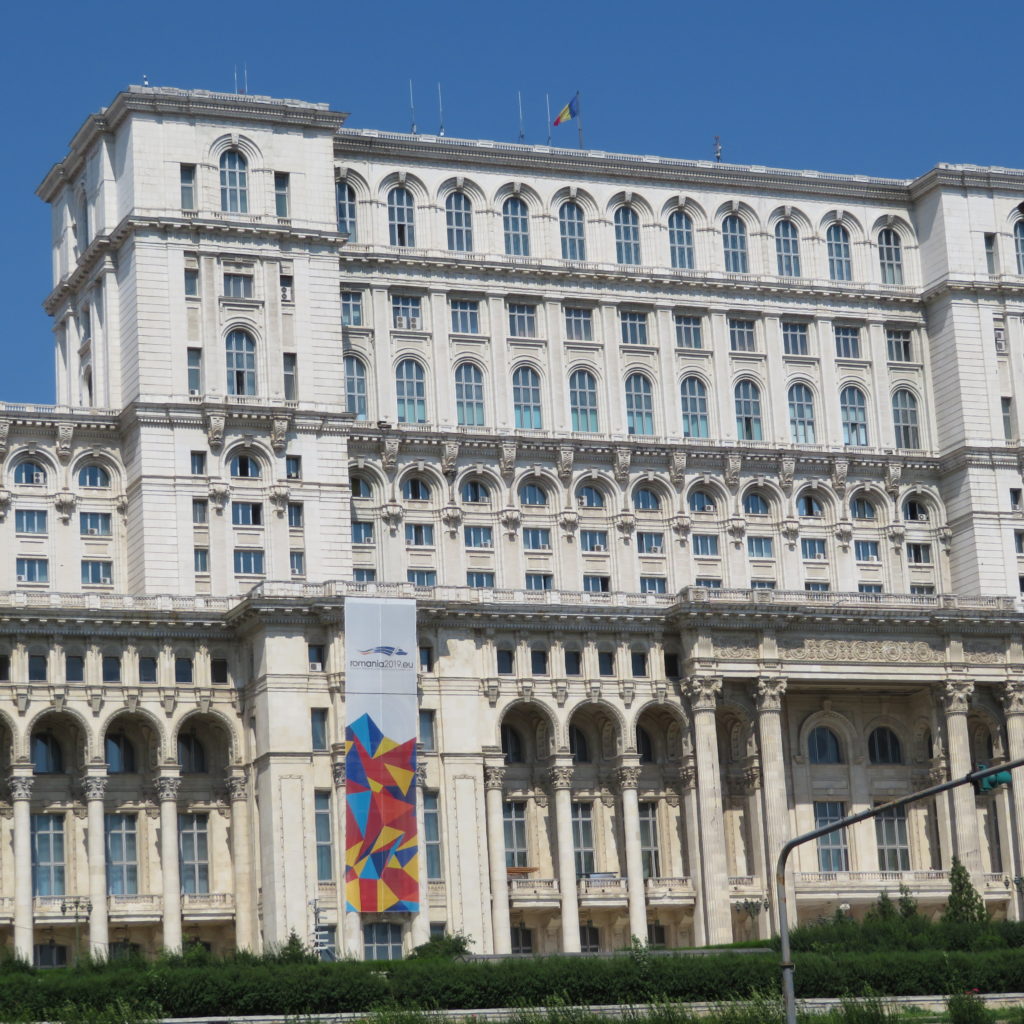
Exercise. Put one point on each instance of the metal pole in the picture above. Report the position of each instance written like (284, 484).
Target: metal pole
(787, 966)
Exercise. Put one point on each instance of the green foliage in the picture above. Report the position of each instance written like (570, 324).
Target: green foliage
(967, 1008)
(446, 947)
(965, 906)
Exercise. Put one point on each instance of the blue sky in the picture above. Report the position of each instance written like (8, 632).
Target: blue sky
(870, 87)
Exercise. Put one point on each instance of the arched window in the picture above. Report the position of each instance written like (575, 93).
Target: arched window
(29, 472)
(476, 492)
(840, 267)
(120, 754)
(415, 488)
(360, 486)
(411, 392)
(693, 397)
(853, 411)
(701, 501)
(240, 350)
(588, 496)
(734, 244)
(345, 198)
(884, 747)
(93, 475)
(47, 758)
(862, 508)
(245, 466)
(639, 405)
(571, 229)
(1018, 244)
(578, 746)
(680, 240)
(644, 745)
(469, 395)
(583, 401)
(191, 754)
(355, 387)
(748, 411)
(234, 182)
(458, 215)
(810, 506)
(646, 500)
(401, 217)
(915, 511)
(533, 494)
(526, 399)
(511, 745)
(515, 220)
(890, 256)
(801, 414)
(904, 419)
(755, 504)
(787, 249)
(627, 235)
(823, 746)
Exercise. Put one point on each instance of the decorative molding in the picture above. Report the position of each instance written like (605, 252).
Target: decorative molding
(957, 696)
(790, 532)
(339, 773)
(392, 514)
(65, 431)
(830, 650)
(494, 776)
(507, 459)
(623, 458)
(5, 503)
(768, 693)
(451, 517)
(681, 525)
(95, 787)
(389, 449)
(279, 498)
(984, 652)
(627, 776)
(238, 785)
(703, 692)
(840, 468)
(677, 467)
(736, 527)
(844, 533)
(893, 478)
(560, 776)
(279, 434)
(5, 430)
(167, 787)
(218, 494)
(733, 468)
(787, 469)
(566, 455)
(20, 786)
(215, 429)
(510, 518)
(64, 502)
(449, 458)
(569, 521)
(625, 523)
(897, 534)
(1012, 697)
(738, 646)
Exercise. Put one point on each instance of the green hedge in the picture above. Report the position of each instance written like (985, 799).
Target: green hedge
(255, 988)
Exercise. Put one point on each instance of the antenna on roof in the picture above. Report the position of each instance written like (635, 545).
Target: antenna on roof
(718, 150)
(245, 79)
(440, 111)
(522, 134)
(145, 79)
(412, 111)
(236, 78)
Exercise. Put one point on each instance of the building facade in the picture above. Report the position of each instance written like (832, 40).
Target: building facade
(706, 480)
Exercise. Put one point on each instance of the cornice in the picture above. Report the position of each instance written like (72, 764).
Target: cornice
(50, 417)
(962, 176)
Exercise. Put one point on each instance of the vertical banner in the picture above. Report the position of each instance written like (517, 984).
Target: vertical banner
(381, 862)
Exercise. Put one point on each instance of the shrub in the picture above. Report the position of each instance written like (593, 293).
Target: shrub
(965, 906)
(967, 1008)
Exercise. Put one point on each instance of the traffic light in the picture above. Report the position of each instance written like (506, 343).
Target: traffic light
(987, 784)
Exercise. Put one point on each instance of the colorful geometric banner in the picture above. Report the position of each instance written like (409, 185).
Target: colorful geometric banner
(381, 856)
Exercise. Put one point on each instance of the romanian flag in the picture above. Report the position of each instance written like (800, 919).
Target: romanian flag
(569, 111)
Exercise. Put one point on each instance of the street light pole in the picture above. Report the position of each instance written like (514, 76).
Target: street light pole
(788, 991)
(81, 905)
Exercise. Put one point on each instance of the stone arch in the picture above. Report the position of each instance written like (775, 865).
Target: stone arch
(370, 472)
(800, 221)
(351, 177)
(928, 496)
(543, 722)
(98, 457)
(900, 225)
(233, 140)
(255, 448)
(688, 205)
(142, 720)
(473, 192)
(613, 741)
(847, 220)
(581, 197)
(210, 716)
(78, 745)
(744, 211)
(923, 739)
(410, 182)
(519, 190)
(638, 203)
(32, 453)
(769, 490)
(899, 730)
(428, 471)
(838, 723)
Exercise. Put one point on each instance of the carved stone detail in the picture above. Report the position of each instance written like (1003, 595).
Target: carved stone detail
(844, 533)
(566, 455)
(215, 422)
(392, 514)
(681, 525)
(95, 787)
(494, 777)
(5, 430)
(703, 692)
(238, 786)
(733, 467)
(279, 498)
(279, 434)
(5, 503)
(449, 458)
(21, 786)
(65, 431)
(627, 776)
(840, 469)
(957, 696)
(893, 477)
(64, 502)
(897, 651)
(737, 528)
(507, 458)
(787, 469)
(451, 517)
(980, 652)
(121, 504)
(560, 776)
(768, 693)
(791, 532)
(1013, 697)
(421, 775)
(623, 458)
(569, 521)
(218, 494)
(897, 535)
(167, 787)
(339, 772)
(945, 534)
(510, 518)
(677, 467)
(742, 647)
(625, 523)
(389, 453)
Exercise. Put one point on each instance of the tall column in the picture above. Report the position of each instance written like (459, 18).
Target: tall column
(768, 696)
(629, 779)
(167, 786)
(95, 787)
(703, 693)
(965, 811)
(340, 775)
(691, 841)
(501, 924)
(21, 794)
(561, 782)
(1013, 706)
(241, 858)
(421, 920)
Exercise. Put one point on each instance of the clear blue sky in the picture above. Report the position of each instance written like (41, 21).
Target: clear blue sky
(871, 87)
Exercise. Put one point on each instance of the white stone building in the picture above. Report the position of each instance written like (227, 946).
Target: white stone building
(706, 479)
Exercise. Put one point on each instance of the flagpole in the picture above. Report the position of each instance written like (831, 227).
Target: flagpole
(579, 116)
(547, 101)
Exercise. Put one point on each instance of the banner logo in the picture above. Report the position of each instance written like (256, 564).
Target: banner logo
(391, 652)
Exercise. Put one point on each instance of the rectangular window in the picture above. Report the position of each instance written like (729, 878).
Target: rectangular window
(194, 853)
(991, 264)
(812, 549)
(201, 560)
(31, 520)
(817, 588)
(248, 561)
(922, 589)
(297, 563)
(32, 570)
(711, 582)
(422, 577)
(479, 579)
(573, 662)
(653, 585)
(869, 588)
(316, 656)
(147, 670)
(1018, 541)
(432, 836)
(351, 309)
(583, 838)
(794, 339)
(218, 670)
(919, 554)
(539, 581)
(290, 375)
(122, 854)
(638, 664)
(649, 839)
(741, 335)
(705, 544)
(281, 194)
(597, 584)
(195, 371)
(238, 286)
(427, 718)
(465, 316)
(382, 940)
(505, 661)
(362, 532)
(426, 659)
(296, 520)
(593, 540)
(479, 536)
(46, 955)
(183, 670)
(318, 728)
(74, 668)
(536, 538)
(111, 668)
(606, 663)
(538, 662)
(419, 535)
(97, 573)
(633, 327)
(866, 550)
(187, 178)
(191, 282)
(891, 836)
(522, 320)
(197, 463)
(760, 547)
(516, 850)
(247, 513)
(1006, 407)
(832, 852)
(37, 665)
(293, 467)
(762, 584)
(898, 346)
(364, 575)
(322, 830)
(578, 324)
(688, 331)
(650, 543)
(406, 312)
(847, 342)
(47, 854)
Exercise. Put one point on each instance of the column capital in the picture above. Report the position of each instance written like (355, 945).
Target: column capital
(703, 692)
(421, 775)
(339, 772)
(686, 774)
(238, 785)
(957, 696)
(561, 775)
(21, 786)
(628, 776)
(768, 693)
(167, 787)
(1012, 697)
(95, 787)
(494, 776)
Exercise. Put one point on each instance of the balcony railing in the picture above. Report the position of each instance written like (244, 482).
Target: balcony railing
(591, 889)
(533, 890)
(668, 888)
(137, 903)
(932, 879)
(210, 904)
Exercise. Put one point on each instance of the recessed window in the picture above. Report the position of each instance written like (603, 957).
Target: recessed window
(748, 411)
(588, 496)
(401, 217)
(406, 312)
(688, 331)
(475, 492)
(759, 547)
(680, 240)
(639, 405)
(238, 286)
(734, 244)
(522, 320)
(147, 669)
(539, 581)
(194, 364)
(515, 217)
(234, 182)
(533, 494)
(884, 747)
(183, 670)
(794, 339)
(898, 346)
(415, 488)
(693, 397)
(201, 560)
(583, 401)
(97, 573)
(30, 520)
(755, 504)
(741, 335)
(282, 204)
(866, 550)
(411, 392)
(633, 327)
(465, 316)
(505, 665)
(890, 256)
(536, 538)
(247, 513)
(572, 232)
(469, 395)
(646, 500)
(351, 309)
(293, 467)
(787, 249)
(362, 531)
(187, 178)
(478, 536)
(853, 411)
(595, 584)
(345, 203)
(355, 387)
(905, 421)
(627, 235)
(823, 746)
(862, 508)
(847, 342)
(479, 579)
(197, 463)
(248, 562)
(840, 266)
(579, 324)
(458, 211)
(801, 414)
(653, 585)
(290, 375)
(29, 472)
(295, 515)
(93, 475)
(593, 540)
(813, 549)
(705, 545)
(648, 543)
(419, 535)
(240, 355)
(422, 577)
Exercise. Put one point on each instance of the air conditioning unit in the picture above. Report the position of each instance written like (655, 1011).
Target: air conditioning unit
(286, 293)
(414, 323)
(923, 518)
(296, 572)
(22, 578)
(93, 531)
(315, 666)
(39, 478)
(194, 392)
(873, 558)
(1000, 335)
(597, 547)
(819, 558)
(401, 322)
(708, 508)
(106, 580)
(654, 550)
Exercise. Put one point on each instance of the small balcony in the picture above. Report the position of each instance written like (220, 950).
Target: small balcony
(670, 891)
(207, 906)
(135, 907)
(533, 892)
(603, 890)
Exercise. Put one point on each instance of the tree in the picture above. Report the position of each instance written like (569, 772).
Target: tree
(965, 906)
